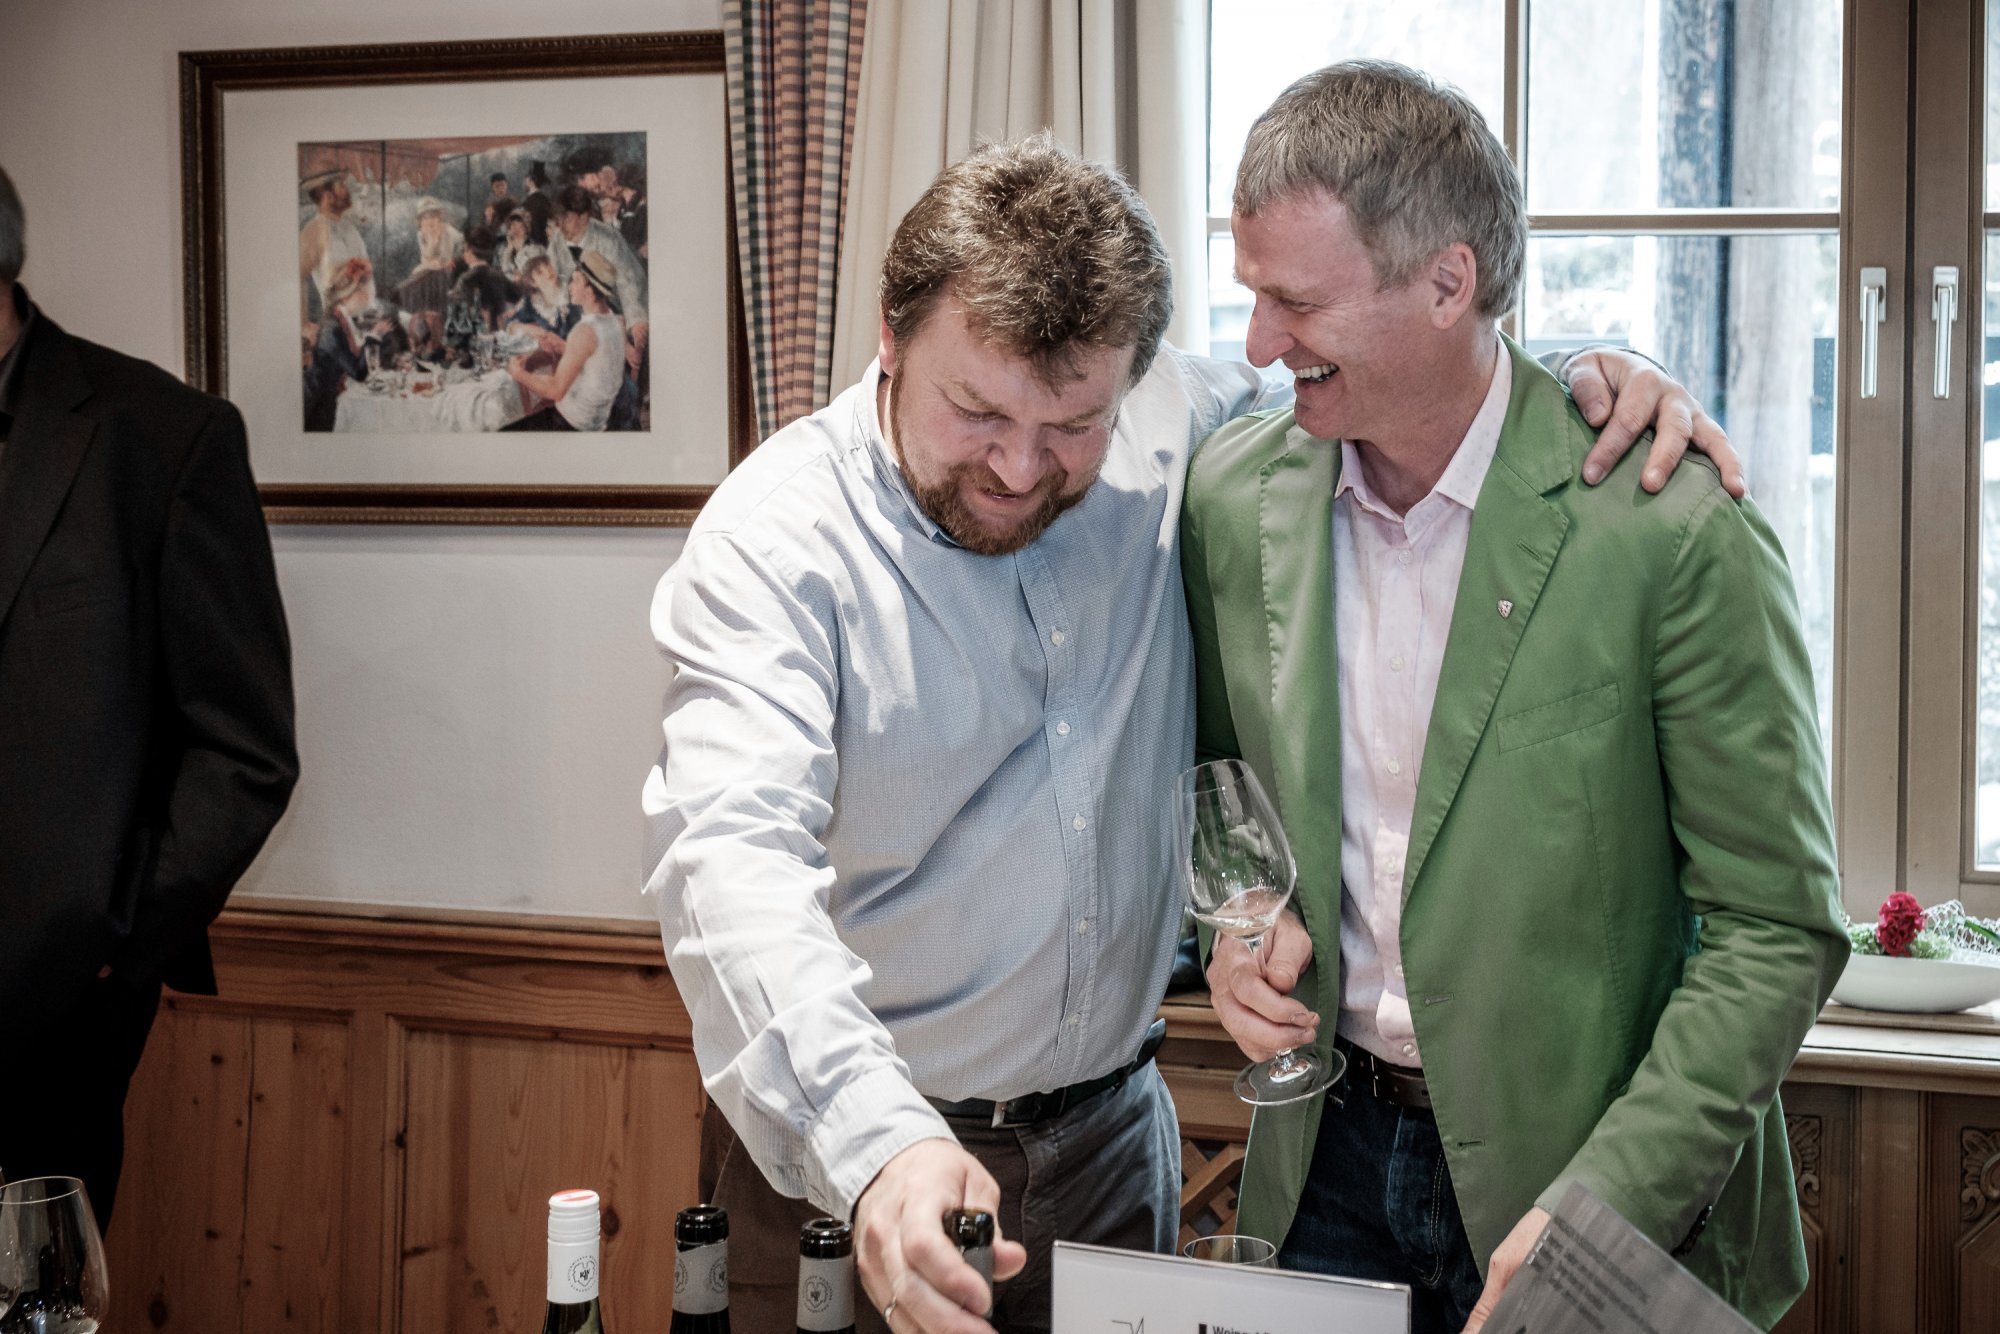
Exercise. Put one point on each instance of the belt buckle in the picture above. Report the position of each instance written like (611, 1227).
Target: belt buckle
(1000, 1114)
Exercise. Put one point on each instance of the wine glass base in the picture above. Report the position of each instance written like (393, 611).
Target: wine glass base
(1303, 1075)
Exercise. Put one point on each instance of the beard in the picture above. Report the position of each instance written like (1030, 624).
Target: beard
(946, 504)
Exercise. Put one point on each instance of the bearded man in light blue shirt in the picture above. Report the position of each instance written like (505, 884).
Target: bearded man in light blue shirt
(909, 829)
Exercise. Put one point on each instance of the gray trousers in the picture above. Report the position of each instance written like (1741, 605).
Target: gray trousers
(1107, 1172)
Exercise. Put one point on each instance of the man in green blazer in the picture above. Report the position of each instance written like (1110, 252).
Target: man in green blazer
(1565, 868)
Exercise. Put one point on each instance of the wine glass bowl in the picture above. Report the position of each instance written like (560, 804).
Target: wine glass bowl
(1239, 873)
(1229, 1248)
(52, 1276)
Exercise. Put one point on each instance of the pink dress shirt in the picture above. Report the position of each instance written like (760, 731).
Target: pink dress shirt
(1395, 579)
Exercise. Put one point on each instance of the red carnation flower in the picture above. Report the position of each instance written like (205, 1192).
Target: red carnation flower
(1902, 917)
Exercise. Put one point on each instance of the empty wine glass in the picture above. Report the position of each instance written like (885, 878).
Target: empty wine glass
(52, 1278)
(1240, 875)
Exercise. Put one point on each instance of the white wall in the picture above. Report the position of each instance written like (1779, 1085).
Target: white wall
(477, 707)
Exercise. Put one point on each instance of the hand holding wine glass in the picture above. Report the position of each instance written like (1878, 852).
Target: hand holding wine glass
(1240, 874)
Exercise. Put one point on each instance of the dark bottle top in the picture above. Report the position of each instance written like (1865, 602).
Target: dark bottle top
(971, 1230)
(826, 1277)
(701, 1271)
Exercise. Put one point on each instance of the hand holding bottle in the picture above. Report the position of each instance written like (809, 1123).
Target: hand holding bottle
(909, 1268)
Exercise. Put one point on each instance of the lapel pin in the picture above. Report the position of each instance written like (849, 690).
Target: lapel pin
(1506, 609)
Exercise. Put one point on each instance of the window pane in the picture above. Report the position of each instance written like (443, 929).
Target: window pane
(1228, 302)
(1257, 47)
(1986, 744)
(1683, 104)
(1748, 324)
(1992, 127)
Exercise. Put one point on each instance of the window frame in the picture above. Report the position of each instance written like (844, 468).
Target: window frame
(1902, 763)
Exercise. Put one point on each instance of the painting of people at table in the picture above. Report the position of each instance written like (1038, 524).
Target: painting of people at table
(471, 285)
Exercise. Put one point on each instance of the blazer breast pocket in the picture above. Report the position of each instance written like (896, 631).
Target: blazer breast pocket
(1546, 722)
(91, 589)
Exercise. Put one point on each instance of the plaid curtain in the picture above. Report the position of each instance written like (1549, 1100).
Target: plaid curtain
(794, 70)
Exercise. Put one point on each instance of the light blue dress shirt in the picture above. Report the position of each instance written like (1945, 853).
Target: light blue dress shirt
(909, 831)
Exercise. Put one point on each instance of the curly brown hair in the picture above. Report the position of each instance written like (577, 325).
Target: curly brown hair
(1048, 255)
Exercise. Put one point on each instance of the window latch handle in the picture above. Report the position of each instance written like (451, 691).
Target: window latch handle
(1944, 314)
(1874, 310)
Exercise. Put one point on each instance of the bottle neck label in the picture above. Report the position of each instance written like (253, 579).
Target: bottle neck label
(573, 1272)
(701, 1279)
(826, 1294)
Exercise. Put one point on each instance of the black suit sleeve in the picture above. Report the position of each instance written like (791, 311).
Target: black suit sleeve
(228, 689)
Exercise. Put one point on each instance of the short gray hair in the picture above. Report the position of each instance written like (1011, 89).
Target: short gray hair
(1411, 159)
(13, 232)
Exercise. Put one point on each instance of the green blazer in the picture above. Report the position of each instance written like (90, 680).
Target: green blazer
(1620, 911)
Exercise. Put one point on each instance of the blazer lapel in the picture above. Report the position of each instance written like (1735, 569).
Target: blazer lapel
(1513, 544)
(41, 458)
(1295, 515)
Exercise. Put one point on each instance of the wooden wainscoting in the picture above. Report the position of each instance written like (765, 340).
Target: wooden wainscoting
(362, 1132)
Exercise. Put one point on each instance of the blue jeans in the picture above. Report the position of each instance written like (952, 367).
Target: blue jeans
(1378, 1204)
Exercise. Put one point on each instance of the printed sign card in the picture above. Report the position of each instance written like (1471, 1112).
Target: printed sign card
(1103, 1291)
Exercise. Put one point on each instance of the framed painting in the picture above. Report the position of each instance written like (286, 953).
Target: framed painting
(469, 282)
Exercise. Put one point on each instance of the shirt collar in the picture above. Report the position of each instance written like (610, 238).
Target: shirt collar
(1466, 473)
(10, 365)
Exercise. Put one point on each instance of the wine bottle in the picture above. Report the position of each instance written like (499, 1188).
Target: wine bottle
(701, 1271)
(826, 1277)
(573, 1265)
(971, 1230)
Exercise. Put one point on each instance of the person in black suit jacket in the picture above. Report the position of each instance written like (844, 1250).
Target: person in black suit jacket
(146, 744)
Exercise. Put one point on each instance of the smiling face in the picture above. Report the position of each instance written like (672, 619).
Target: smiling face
(1361, 356)
(993, 453)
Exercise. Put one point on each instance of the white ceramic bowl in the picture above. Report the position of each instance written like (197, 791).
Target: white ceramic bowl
(1915, 986)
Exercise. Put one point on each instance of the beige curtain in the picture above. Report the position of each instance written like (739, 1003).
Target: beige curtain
(1123, 82)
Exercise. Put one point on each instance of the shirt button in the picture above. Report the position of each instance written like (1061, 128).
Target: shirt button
(1056, 637)
(1074, 1020)
(1079, 824)
(1062, 729)
(1402, 558)
(1409, 1049)
(1083, 927)
(1395, 766)
(1396, 663)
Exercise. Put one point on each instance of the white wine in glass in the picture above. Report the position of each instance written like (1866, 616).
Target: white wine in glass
(1240, 874)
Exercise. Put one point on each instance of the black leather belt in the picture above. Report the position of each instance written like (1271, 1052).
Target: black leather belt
(1401, 1084)
(1030, 1108)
